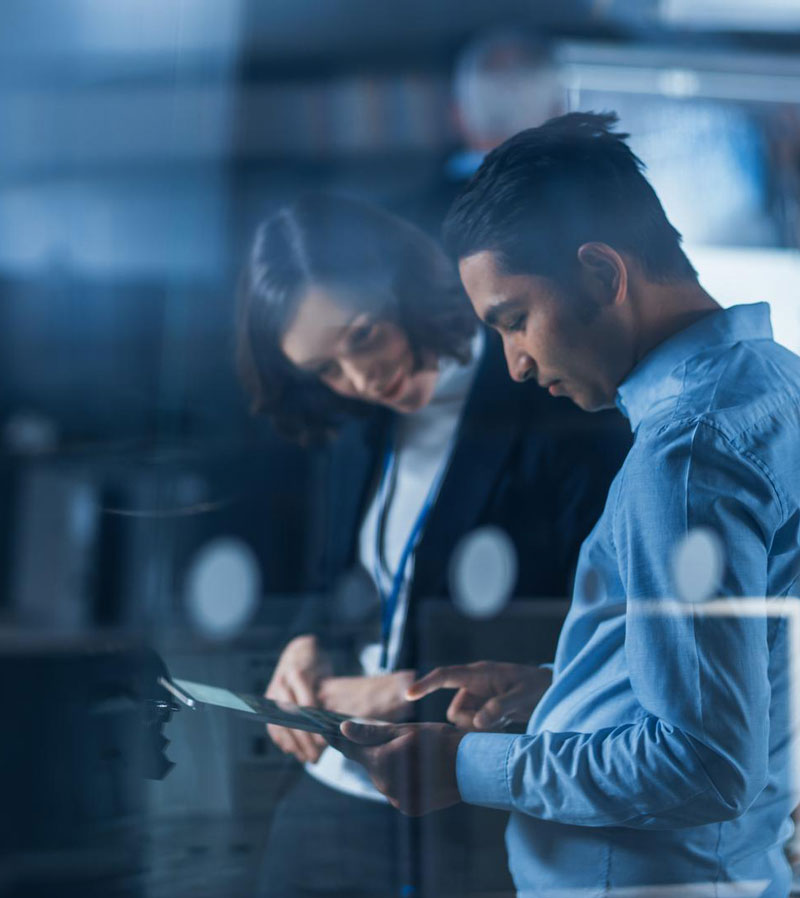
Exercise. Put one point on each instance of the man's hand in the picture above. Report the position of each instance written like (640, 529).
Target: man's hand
(413, 765)
(382, 697)
(491, 695)
(296, 679)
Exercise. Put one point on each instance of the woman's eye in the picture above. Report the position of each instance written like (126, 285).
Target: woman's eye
(361, 334)
(328, 371)
(517, 324)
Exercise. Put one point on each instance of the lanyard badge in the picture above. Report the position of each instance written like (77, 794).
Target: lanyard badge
(390, 585)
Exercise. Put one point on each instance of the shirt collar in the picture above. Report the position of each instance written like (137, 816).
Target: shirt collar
(658, 375)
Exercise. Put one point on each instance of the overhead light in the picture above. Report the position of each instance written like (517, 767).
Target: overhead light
(679, 83)
(750, 15)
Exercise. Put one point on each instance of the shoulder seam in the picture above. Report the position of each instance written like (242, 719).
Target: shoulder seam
(753, 459)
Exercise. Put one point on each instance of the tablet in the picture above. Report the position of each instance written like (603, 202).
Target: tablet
(312, 720)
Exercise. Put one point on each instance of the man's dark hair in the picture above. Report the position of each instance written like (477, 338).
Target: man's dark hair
(384, 265)
(546, 191)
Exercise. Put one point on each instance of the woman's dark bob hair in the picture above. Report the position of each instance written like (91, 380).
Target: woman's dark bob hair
(383, 265)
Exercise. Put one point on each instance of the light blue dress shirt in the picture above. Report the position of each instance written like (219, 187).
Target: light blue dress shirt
(660, 755)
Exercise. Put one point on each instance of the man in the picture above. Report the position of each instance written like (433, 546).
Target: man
(659, 755)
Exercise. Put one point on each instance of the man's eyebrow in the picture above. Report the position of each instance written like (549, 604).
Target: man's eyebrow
(497, 311)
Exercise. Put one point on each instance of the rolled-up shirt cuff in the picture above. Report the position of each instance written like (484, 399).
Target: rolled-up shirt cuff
(481, 769)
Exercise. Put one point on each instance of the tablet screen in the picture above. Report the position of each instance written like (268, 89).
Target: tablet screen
(313, 720)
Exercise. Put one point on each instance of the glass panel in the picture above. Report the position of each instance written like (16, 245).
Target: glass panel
(260, 463)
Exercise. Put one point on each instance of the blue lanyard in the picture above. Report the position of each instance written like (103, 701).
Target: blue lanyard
(389, 600)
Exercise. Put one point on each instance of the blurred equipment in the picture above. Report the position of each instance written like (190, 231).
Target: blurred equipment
(56, 543)
(84, 722)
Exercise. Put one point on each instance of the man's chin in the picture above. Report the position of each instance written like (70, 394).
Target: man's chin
(595, 404)
(588, 402)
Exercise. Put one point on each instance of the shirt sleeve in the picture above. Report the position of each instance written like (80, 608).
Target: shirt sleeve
(698, 752)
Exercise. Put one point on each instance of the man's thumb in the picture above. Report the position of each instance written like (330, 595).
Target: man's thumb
(368, 732)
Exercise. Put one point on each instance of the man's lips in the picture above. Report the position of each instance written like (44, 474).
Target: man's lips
(552, 386)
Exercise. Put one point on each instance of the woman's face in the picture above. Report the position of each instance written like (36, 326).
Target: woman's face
(356, 355)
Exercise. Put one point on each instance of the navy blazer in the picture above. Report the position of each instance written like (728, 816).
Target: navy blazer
(536, 466)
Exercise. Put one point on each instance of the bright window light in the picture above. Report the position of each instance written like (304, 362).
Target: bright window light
(759, 15)
(741, 275)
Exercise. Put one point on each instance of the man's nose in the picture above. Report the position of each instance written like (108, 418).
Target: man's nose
(520, 365)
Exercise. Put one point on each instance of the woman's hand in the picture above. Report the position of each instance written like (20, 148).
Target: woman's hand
(296, 679)
(381, 697)
(492, 695)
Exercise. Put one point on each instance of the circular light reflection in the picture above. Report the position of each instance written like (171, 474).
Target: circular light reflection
(697, 564)
(222, 587)
(483, 572)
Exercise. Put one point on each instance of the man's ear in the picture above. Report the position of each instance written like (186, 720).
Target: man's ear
(603, 272)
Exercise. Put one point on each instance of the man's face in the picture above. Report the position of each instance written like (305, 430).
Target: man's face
(571, 346)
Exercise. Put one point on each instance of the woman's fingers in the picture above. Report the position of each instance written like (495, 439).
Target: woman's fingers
(306, 747)
(330, 693)
(311, 744)
(303, 745)
(281, 736)
(319, 744)
(301, 689)
(303, 692)
(285, 741)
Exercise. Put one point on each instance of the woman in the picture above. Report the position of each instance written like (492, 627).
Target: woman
(353, 328)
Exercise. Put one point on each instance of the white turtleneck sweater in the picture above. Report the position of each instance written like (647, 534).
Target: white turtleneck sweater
(423, 446)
